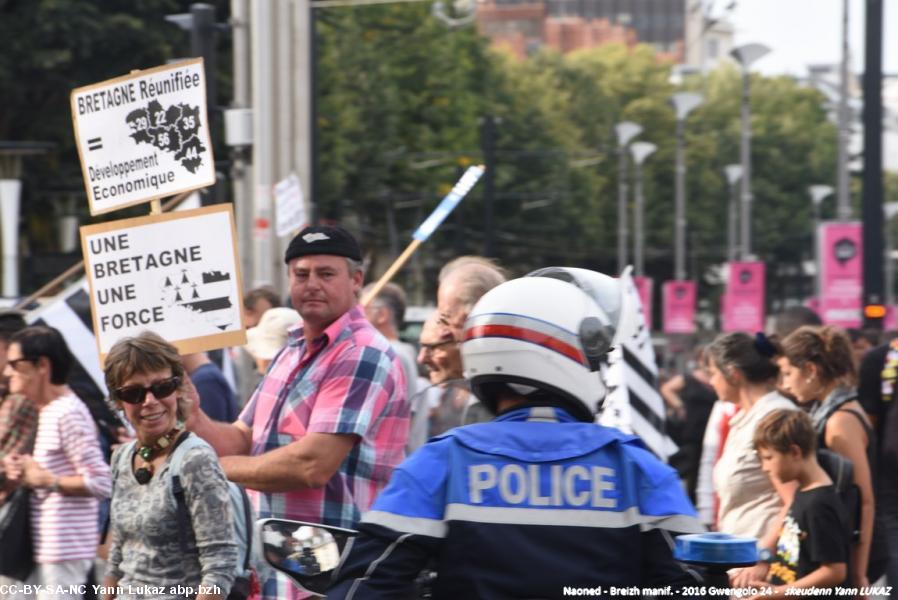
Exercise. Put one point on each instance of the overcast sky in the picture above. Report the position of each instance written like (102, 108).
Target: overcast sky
(802, 32)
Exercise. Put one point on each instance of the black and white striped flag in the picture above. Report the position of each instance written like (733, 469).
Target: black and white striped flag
(633, 403)
(69, 312)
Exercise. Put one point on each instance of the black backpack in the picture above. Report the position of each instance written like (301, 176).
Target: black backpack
(841, 471)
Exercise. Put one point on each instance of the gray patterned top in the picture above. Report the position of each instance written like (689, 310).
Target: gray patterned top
(145, 551)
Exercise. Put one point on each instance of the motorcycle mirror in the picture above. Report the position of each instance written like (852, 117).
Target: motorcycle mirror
(307, 552)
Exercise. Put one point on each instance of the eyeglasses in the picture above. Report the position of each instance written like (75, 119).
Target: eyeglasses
(14, 363)
(136, 394)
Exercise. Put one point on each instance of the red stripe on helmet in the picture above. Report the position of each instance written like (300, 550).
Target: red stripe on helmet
(526, 335)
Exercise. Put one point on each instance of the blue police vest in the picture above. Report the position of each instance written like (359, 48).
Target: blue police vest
(534, 501)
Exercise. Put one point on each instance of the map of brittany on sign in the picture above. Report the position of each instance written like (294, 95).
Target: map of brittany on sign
(173, 129)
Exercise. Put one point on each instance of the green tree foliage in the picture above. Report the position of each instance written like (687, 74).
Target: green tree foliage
(53, 46)
(397, 89)
(401, 99)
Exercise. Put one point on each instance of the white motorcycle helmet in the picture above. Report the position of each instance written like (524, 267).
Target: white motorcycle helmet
(541, 337)
(608, 293)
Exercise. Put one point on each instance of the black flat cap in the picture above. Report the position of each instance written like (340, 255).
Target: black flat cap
(323, 239)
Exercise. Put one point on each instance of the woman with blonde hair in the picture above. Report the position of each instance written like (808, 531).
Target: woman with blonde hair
(818, 370)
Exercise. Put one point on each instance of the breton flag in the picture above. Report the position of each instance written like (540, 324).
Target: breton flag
(69, 312)
(633, 403)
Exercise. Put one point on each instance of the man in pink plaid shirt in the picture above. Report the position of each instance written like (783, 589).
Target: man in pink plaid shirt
(322, 433)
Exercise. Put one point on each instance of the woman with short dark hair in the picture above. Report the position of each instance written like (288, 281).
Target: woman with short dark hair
(66, 472)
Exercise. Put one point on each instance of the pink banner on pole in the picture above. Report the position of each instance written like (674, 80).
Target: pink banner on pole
(679, 306)
(644, 287)
(743, 306)
(841, 275)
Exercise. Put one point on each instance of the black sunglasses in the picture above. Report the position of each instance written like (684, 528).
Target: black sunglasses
(136, 394)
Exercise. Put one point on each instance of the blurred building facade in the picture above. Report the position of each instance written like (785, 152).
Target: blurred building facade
(679, 30)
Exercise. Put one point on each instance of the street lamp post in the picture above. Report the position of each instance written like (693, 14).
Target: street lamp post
(626, 131)
(843, 201)
(818, 193)
(890, 209)
(465, 12)
(640, 151)
(683, 103)
(745, 56)
(733, 175)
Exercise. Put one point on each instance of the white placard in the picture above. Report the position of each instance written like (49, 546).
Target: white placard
(143, 136)
(289, 206)
(175, 274)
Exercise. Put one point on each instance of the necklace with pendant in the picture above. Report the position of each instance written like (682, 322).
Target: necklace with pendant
(147, 453)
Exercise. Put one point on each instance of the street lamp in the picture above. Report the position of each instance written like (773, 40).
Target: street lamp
(640, 151)
(746, 55)
(818, 193)
(683, 103)
(890, 209)
(733, 175)
(843, 202)
(626, 131)
(465, 9)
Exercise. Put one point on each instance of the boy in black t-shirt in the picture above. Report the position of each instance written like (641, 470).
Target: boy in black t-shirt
(812, 549)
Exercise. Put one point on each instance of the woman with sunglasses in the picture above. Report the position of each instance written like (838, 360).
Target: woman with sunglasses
(66, 472)
(145, 378)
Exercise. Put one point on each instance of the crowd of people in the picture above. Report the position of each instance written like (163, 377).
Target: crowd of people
(842, 382)
(509, 488)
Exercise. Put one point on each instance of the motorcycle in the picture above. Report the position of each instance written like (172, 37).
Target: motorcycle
(309, 554)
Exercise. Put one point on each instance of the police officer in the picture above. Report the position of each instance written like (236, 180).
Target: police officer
(539, 499)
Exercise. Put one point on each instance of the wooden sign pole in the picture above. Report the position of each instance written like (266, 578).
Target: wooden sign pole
(386, 277)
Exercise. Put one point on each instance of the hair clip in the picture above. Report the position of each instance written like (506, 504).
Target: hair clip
(764, 346)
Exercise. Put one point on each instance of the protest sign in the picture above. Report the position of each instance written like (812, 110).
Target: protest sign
(143, 136)
(290, 209)
(175, 274)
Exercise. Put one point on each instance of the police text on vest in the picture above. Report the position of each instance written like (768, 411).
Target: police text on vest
(566, 486)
